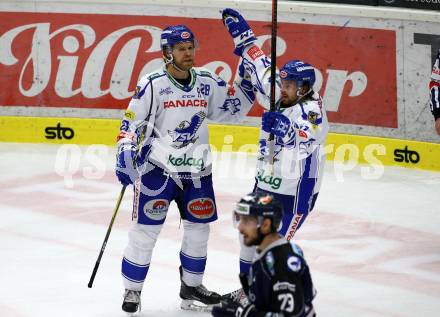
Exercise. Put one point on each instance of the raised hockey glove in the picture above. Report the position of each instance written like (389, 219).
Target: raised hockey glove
(239, 30)
(230, 308)
(276, 123)
(126, 171)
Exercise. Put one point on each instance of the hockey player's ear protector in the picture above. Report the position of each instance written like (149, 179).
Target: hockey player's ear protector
(167, 55)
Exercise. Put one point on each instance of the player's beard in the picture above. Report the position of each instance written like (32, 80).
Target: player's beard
(254, 240)
(185, 65)
(287, 101)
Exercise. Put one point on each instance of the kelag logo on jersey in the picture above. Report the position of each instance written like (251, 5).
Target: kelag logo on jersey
(273, 182)
(197, 163)
(185, 133)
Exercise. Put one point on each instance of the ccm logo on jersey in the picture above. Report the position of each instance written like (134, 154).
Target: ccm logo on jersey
(406, 155)
(201, 208)
(185, 103)
(59, 132)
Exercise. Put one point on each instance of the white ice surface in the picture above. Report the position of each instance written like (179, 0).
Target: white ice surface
(373, 245)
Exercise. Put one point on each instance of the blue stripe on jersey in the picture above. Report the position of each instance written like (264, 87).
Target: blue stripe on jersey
(134, 272)
(192, 264)
(304, 115)
(150, 81)
(245, 266)
(220, 82)
(304, 191)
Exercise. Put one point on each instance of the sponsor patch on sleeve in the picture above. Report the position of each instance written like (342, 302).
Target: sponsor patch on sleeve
(255, 52)
(312, 117)
(129, 115)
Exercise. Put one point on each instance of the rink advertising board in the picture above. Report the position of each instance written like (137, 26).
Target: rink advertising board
(93, 61)
(342, 148)
(413, 4)
(355, 2)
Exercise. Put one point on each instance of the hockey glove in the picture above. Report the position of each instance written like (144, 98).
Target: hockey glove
(239, 29)
(230, 308)
(276, 123)
(125, 166)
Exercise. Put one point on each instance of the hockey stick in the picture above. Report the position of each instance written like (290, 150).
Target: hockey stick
(98, 261)
(273, 57)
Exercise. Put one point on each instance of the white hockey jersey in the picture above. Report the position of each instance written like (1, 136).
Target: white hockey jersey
(170, 119)
(301, 152)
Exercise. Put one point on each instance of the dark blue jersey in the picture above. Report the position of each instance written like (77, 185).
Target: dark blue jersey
(279, 282)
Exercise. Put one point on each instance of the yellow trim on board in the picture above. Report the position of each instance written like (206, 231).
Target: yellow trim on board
(339, 147)
(58, 130)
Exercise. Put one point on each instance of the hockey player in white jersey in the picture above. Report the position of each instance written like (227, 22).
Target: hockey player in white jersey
(164, 131)
(434, 92)
(300, 129)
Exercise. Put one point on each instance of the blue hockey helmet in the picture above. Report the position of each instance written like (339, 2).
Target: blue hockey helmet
(300, 72)
(260, 205)
(175, 34)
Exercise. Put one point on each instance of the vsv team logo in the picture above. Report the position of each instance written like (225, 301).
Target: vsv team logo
(185, 133)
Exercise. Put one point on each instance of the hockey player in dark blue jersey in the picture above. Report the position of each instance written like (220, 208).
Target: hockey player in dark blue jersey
(434, 89)
(279, 281)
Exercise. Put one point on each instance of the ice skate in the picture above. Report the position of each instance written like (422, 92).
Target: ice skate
(132, 301)
(197, 298)
(237, 296)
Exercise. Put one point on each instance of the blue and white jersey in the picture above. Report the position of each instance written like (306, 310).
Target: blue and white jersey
(301, 152)
(170, 119)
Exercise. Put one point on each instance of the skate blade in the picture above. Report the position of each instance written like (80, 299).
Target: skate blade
(193, 305)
